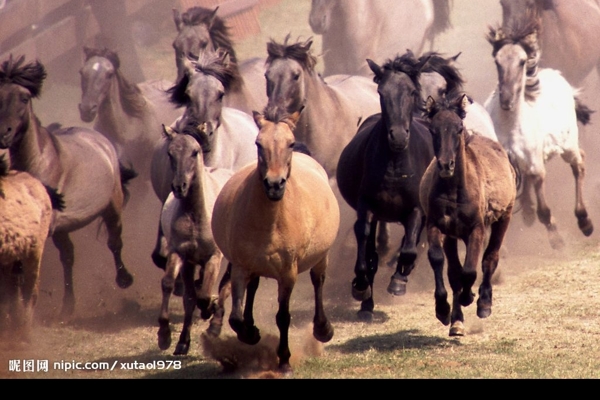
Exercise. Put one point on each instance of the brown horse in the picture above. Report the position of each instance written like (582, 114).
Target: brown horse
(185, 221)
(25, 219)
(276, 219)
(80, 163)
(469, 186)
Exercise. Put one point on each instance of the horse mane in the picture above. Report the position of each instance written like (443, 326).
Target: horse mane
(299, 51)
(411, 66)
(434, 62)
(523, 32)
(30, 76)
(208, 63)
(132, 100)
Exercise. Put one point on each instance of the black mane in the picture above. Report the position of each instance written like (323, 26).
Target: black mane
(299, 52)
(30, 76)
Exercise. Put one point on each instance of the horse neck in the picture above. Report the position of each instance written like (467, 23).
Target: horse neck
(319, 96)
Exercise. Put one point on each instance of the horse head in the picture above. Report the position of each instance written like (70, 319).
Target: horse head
(447, 130)
(184, 154)
(96, 75)
(275, 145)
(399, 92)
(439, 75)
(19, 84)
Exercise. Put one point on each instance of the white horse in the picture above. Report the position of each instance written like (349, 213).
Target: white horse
(535, 114)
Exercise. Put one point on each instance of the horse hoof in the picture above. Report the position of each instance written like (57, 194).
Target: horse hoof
(124, 279)
(586, 226)
(249, 335)
(397, 285)
(286, 369)
(181, 349)
(214, 329)
(365, 316)
(457, 329)
(442, 313)
(164, 338)
(360, 294)
(484, 311)
(323, 333)
(466, 298)
(159, 261)
(556, 241)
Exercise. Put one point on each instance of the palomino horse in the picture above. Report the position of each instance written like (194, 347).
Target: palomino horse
(469, 187)
(200, 29)
(25, 219)
(535, 116)
(80, 163)
(226, 134)
(567, 31)
(440, 76)
(374, 28)
(129, 115)
(185, 221)
(333, 107)
(379, 173)
(276, 219)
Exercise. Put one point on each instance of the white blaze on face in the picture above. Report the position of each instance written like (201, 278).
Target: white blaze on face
(96, 66)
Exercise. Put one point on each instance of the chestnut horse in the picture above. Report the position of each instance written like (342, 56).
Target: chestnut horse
(469, 186)
(276, 219)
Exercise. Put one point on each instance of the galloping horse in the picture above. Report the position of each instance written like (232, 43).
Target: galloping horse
(226, 134)
(379, 173)
(535, 115)
(469, 187)
(129, 115)
(374, 28)
(25, 222)
(276, 219)
(200, 29)
(79, 163)
(332, 107)
(185, 221)
(567, 32)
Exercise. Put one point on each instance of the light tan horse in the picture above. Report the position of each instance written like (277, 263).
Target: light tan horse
(276, 219)
(25, 218)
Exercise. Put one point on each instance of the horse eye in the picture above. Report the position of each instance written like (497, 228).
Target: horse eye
(195, 154)
(25, 99)
(220, 96)
(296, 77)
(522, 63)
(292, 145)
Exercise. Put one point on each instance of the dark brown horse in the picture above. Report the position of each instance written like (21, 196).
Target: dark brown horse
(80, 163)
(379, 172)
(469, 187)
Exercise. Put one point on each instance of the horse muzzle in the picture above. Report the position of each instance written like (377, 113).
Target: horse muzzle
(274, 188)
(87, 114)
(446, 169)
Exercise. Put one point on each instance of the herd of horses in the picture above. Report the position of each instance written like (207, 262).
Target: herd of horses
(245, 159)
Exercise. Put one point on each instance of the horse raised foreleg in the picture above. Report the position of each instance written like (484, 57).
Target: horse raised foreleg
(322, 329)
(468, 274)
(454, 272)
(408, 253)
(189, 306)
(544, 214)
(174, 264)
(283, 319)
(435, 254)
(63, 243)
(159, 258)
(204, 294)
(489, 265)
(114, 226)
(527, 202)
(578, 168)
(363, 229)
(216, 323)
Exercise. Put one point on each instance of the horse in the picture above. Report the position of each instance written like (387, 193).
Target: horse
(370, 28)
(565, 33)
(332, 107)
(535, 114)
(185, 221)
(469, 188)
(226, 134)
(26, 209)
(440, 76)
(379, 172)
(78, 162)
(130, 115)
(276, 219)
(200, 29)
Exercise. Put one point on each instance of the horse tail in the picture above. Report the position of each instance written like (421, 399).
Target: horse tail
(127, 174)
(57, 199)
(583, 112)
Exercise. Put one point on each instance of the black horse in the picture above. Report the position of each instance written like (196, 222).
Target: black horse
(379, 173)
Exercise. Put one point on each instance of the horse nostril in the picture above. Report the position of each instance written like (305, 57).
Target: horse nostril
(451, 164)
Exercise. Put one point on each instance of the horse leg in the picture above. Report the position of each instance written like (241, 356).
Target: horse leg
(454, 271)
(372, 262)
(408, 253)
(383, 238)
(544, 214)
(189, 306)
(489, 265)
(435, 254)
(29, 291)
(216, 323)
(468, 274)
(243, 325)
(174, 265)
(160, 260)
(527, 202)
(283, 318)
(363, 229)
(576, 160)
(205, 299)
(114, 226)
(322, 329)
(66, 252)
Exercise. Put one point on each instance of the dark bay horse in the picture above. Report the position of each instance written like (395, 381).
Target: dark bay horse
(379, 173)
(468, 188)
(80, 163)
(276, 218)
(568, 30)
(200, 29)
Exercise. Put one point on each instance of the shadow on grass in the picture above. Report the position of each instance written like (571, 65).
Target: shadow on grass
(402, 340)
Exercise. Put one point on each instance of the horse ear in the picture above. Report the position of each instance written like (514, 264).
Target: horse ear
(377, 70)
(213, 17)
(465, 101)
(177, 19)
(429, 104)
(292, 119)
(259, 119)
(306, 45)
(188, 65)
(454, 58)
(168, 131)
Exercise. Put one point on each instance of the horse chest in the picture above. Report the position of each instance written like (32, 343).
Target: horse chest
(190, 237)
(452, 217)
